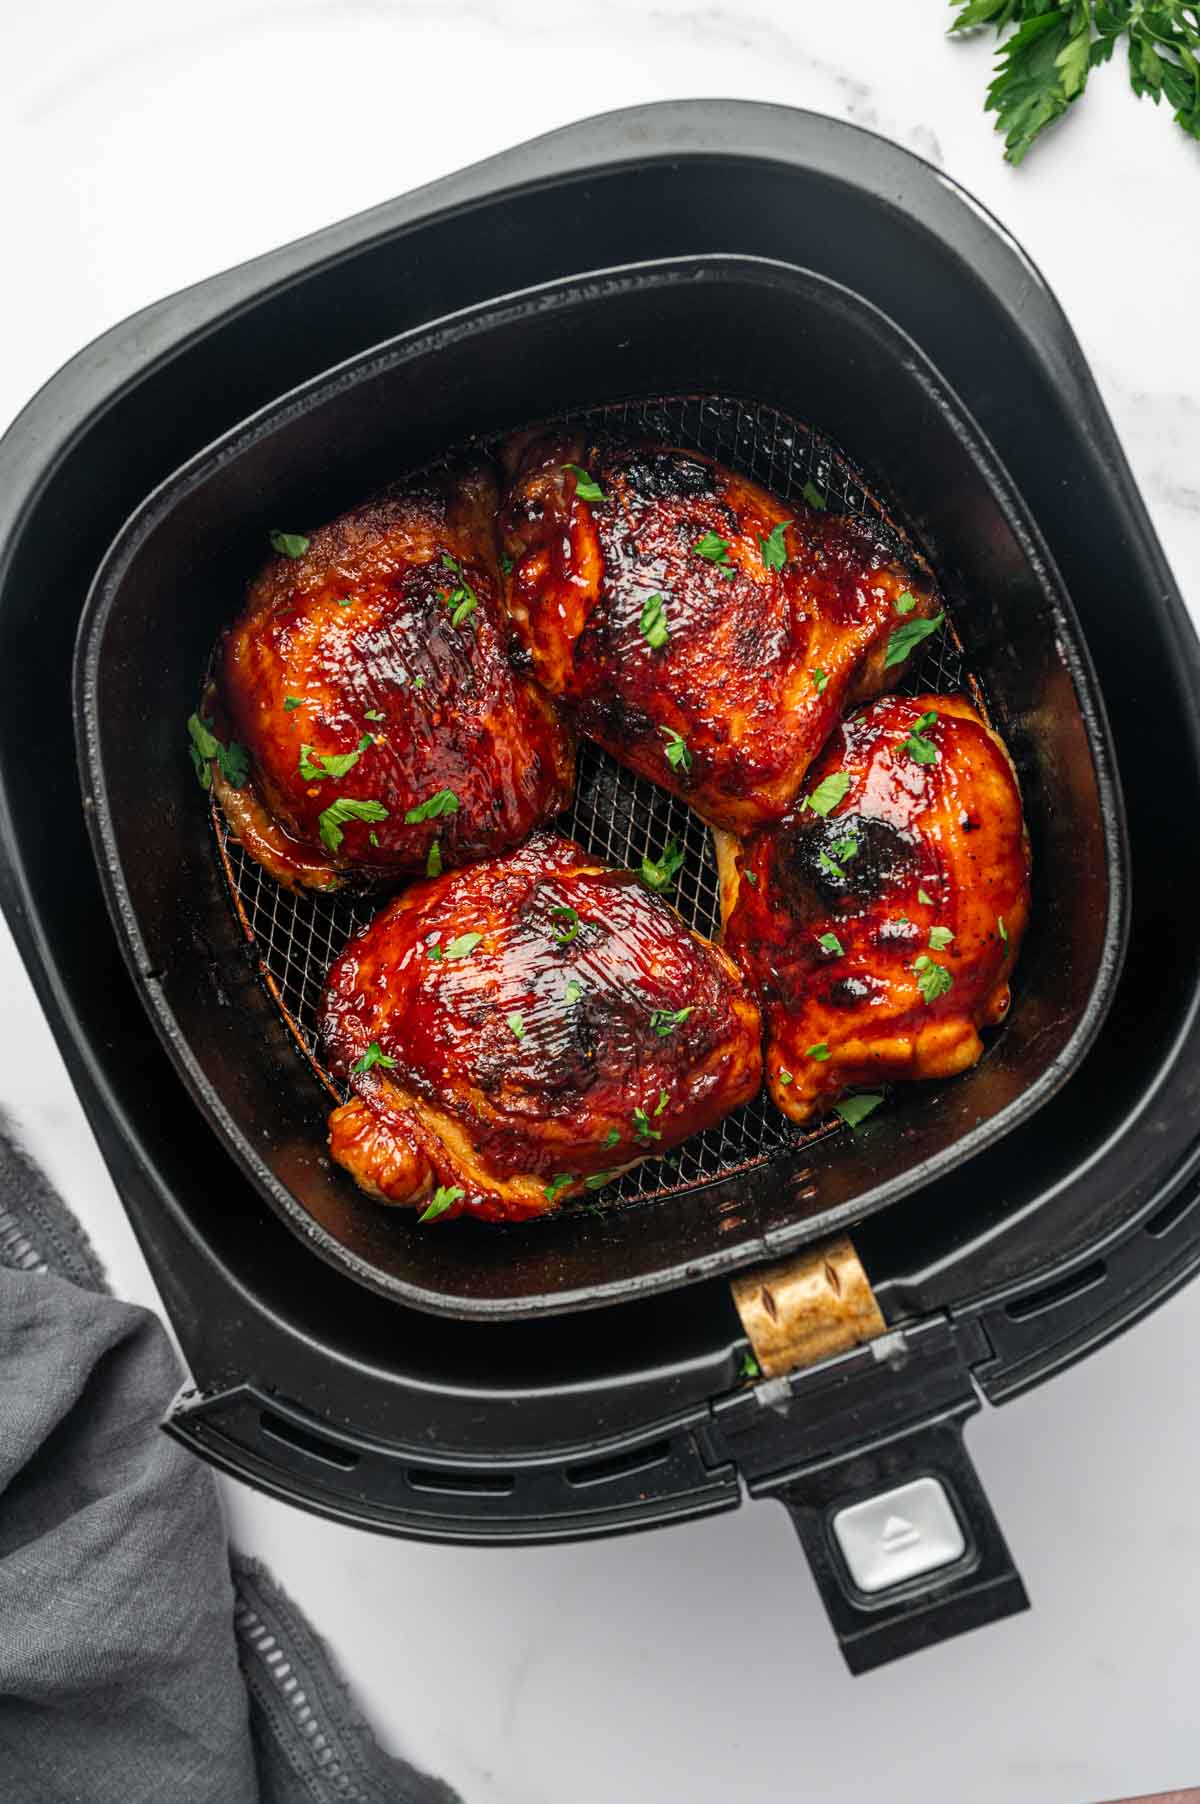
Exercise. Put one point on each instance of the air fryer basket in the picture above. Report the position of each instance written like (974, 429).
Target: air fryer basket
(780, 345)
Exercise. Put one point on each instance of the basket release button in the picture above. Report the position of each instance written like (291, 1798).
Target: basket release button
(899, 1535)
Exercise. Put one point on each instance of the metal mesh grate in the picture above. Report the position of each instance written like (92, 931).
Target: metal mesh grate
(615, 815)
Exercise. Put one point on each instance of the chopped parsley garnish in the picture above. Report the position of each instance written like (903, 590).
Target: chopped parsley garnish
(599, 1179)
(659, 874)
(292, 701)
(516, 1026)
(933, 980)
(749, 1367)
(856, 1108)
(819, 681)
(712, 546)
(845, 848)
(774, 546)
(586, 487)
(785, 1077)
(434, 951)
(751, 878)
(233, 759)
(571, 924)
(642, 1128)
(331, 820)
(433, 863)
(572, 993)
(905, 603)
(418, 682)
(374, 1055)
(1001, 929)
(374, 714)
(920, 749)
(372, 838)
(461, 600)
(907, 637)
(820, 1052)
(829, 792)
(664, 1021)
(463, 946)
(291, 544)
(444, 1197)
(813, 496)
(444, 801)
(662, 1102)
(653, 623)
(506, 563)
(829, 942)
(939, 938)
(678, 755)
(553, 1190)
(611, 1138)
(830, 867)
(924, 896)
(316, 765)
(344, 601)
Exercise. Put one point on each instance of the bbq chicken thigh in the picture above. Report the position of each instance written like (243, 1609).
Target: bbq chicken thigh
(367, 679)
(526, 1029)
(703, 632)
(880, 922)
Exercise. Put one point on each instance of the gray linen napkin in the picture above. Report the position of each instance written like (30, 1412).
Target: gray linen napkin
(135, 1668)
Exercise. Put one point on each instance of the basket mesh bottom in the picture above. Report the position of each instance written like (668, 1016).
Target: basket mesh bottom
(615, 815)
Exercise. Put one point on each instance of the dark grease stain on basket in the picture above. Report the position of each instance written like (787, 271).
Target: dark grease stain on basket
(615, 815)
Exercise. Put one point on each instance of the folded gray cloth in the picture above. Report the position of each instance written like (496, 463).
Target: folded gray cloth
(134, 1667)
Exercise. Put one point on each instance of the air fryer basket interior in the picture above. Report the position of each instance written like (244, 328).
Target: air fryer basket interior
(762, 332)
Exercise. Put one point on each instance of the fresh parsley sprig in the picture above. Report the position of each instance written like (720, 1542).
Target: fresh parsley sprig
(1043, 67)
(233, 759)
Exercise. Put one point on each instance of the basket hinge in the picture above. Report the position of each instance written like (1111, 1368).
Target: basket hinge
(808, 1308)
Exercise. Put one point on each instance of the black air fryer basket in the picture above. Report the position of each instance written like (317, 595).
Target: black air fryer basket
(757, 274)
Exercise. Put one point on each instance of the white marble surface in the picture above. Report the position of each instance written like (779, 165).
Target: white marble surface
(146, 146)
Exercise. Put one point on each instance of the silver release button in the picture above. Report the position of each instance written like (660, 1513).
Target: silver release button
(899, 1535)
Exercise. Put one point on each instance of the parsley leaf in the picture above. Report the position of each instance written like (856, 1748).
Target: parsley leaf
(572, 993)
(331, 764)
(331, 820)
(233, 758)
(433, 864)
(749, 1367)
(516, 1026)
(463, 946)
(562, 913)
(905, 602)
(372, 838)
(664, 1021)
(774, 546)
(830, 867)
(819, 681)
(444, 801)
(291, 544)
(678, 755)
(751, 878)
(659, 874)
(820, 1052)
(907, 637)
(611, 1138)
(344, 601)
(374, 1055)
(586, 487)
(845, 848)
(712, 546)
(642, 1128)
(662, 1102)
(444, 1197)
(925, 897)
(653, 623)
(856, 1108)
(828, 793)
(1002, 929)
(506, 563)
(557, 1185)
(291, 702)
(785, 1077)
(920, 749)
(933, 980)
(813, 496)
(434, 951)
(829, 942)
(374, 714)
(939, 938)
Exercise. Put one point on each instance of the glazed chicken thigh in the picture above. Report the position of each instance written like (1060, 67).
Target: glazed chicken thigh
(703, 632)
(880, 922)
(366, 677)
(526, 1029)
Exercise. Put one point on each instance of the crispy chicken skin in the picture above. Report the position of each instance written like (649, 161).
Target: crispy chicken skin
(375, 646)
(918, 873)
(542, 1020)
(730, 709)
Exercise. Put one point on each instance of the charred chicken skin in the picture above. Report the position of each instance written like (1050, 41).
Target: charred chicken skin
(367, 678)
(525, 1029)
(881, 921)
(703, 632)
